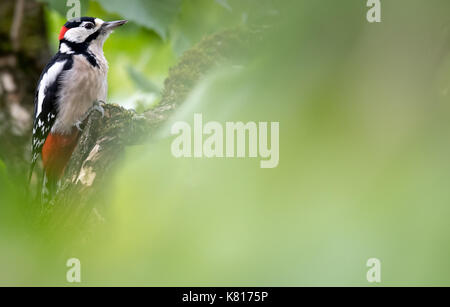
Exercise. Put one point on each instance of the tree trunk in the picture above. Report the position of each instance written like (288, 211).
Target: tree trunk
(23, 55)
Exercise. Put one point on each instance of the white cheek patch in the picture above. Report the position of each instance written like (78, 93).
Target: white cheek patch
(77, 35)
(48, 78)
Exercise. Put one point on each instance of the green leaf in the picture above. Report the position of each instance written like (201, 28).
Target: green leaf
(156, 15)
(63, 6)
(142, 82)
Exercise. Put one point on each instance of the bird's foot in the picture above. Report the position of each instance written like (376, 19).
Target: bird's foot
(78, 125)
(98, 106)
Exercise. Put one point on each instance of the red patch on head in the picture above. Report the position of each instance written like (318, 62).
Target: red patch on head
(63, 31)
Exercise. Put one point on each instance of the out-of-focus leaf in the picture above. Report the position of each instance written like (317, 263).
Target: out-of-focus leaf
(142, 82)
(189, 29)
(156, 15)
(225, 4)
(63, 6)
(2, 168)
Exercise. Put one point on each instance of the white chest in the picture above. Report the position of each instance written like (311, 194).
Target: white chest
(80, 88)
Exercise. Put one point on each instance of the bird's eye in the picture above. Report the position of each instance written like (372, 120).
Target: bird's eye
(89, 26)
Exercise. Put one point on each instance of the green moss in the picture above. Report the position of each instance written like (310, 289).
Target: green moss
(230, 46)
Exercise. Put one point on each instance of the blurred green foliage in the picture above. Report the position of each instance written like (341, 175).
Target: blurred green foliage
(153, 14)
(363, 111)
(2, 168)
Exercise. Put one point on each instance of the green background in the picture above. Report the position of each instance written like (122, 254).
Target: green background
(364, 156)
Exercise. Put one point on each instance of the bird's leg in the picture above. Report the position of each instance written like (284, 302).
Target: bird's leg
(97, 106)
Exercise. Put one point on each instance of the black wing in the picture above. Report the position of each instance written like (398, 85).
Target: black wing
(45, 103)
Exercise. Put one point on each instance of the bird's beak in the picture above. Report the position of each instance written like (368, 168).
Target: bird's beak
(111, 25)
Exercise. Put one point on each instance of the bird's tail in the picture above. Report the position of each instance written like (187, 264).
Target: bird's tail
(30, 172)
(49, 188)
(34, 158)
(56, 154)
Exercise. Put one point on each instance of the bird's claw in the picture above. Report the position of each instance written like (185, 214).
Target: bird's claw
(100, 109)
(78, 126)
(98, 105)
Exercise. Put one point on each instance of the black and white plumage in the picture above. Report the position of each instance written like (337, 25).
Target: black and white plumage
(45, 102)
(71, 83)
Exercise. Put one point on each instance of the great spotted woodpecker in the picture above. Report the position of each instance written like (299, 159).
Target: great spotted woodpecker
(72, 84)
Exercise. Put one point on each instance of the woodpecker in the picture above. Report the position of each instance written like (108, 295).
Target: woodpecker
(73, 84)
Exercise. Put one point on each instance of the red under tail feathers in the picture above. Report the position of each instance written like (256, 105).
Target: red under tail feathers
(56, 153)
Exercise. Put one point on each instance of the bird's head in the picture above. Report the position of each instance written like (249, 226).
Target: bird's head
(81, 33)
